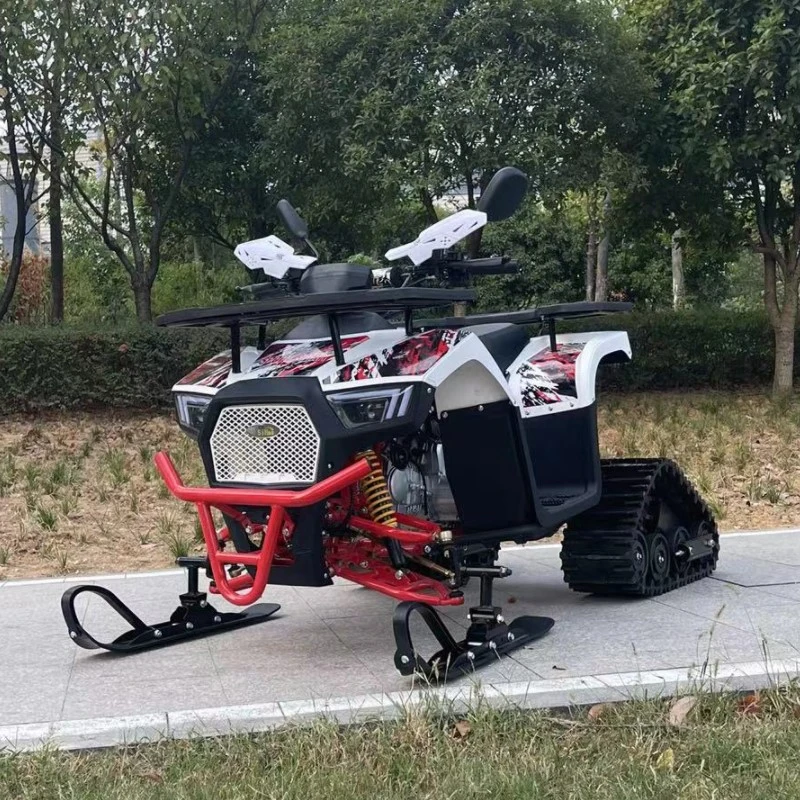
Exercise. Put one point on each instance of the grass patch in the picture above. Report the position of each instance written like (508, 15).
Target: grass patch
(726, 748)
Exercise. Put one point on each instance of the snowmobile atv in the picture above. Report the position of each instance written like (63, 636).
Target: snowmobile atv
(401, 454)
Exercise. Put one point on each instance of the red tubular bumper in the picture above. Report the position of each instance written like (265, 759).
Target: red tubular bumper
(260, 497)
(206, 498)
(246, 588)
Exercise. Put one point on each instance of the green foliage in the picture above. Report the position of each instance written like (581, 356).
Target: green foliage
(548, 246)
(191, 284)
(72, 368)
(703, 349)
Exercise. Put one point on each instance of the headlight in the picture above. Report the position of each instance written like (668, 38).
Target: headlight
(191, 410)
(369, 407)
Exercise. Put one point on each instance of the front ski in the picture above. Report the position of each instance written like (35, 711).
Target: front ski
(488, 637)
(194, 617)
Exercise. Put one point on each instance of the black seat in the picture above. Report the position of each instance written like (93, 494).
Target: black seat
(327, 278)
(350, 322)
(504, 341)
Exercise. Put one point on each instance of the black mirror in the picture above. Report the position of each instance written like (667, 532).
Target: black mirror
(504, 194)
(292, 221)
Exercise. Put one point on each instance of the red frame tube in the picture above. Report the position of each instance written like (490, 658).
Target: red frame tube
(245, 589)
(288, 498)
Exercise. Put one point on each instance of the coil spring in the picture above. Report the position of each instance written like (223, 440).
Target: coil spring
(376, 492)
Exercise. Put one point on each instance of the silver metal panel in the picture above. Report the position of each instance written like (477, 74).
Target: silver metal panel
(265, 444)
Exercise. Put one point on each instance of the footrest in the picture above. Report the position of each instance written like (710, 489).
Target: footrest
(189, 620)
(457, 658)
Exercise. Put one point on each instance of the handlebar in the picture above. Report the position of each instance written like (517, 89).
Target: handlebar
(495, 265)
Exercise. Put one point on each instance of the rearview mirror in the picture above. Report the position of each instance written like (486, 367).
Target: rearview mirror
(504, 194)
(292, 221)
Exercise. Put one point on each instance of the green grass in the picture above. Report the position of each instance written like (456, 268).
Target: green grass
(629, 752)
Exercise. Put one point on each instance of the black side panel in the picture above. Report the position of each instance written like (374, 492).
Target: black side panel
(309, 567)
(487, 467)
(564, 453)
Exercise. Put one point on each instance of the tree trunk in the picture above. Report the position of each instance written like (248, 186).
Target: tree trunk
(601, 276)
(427, 203)
(678, 286)
(784, 353)
(591, 261)
(143, 302)
(56, 241)
(54, 204)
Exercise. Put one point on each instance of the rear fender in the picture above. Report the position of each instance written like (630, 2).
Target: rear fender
(545, 382)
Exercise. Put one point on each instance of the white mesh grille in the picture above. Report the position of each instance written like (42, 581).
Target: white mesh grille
(265, 444)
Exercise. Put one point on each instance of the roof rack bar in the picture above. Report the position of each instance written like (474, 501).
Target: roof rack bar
(236, 349)
(336, 339)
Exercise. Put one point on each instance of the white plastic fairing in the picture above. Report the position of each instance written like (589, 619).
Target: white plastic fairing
(272, 255)
(439, 236)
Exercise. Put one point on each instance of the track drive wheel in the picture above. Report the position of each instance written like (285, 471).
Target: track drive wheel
(651, 532)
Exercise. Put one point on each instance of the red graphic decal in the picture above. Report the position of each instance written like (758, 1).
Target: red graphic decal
(282, 359)
(210, 373)
(413, 356)
(548, 377)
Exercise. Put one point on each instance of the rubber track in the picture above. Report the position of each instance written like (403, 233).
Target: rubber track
(599, 551)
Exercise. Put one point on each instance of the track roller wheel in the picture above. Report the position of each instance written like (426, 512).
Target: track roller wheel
(650, 533)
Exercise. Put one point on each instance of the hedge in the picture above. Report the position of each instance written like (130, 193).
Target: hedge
(135, 367)
(690, 350)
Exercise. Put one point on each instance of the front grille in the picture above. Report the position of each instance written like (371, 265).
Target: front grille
(265, 444)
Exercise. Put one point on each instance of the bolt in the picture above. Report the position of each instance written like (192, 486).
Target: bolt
(325, 575)
(470, 655)
(157, 634)
(444, 415)
(218, 619)
(480, 408)
(511, 637)
(73, 635)
(493, 645)
(203, 603)
(429, 390)
(248, 529)
(399, 575)
(426, 549)
(330, 466)
(189, 626)
(639, 556)
(501, 618)
(661, 559)
(404, 659)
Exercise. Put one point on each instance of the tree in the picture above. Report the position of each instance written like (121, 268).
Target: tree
(20, 151)
(729, 71)
(369, 104)
(149, 77)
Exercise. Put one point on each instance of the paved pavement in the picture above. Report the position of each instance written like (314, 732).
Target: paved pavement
(329, 651)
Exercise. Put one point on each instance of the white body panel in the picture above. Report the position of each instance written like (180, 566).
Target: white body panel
(542, 382)
(439, 236)
(460, 370)
(271, 255)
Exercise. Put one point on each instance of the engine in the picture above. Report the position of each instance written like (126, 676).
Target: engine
(417, 479)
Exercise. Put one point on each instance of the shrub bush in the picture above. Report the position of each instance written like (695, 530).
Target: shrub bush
(703, 349)
(135, 367)
(68, 368)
